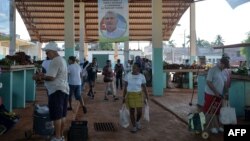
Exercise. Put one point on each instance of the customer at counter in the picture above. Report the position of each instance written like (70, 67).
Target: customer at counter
(216, 87)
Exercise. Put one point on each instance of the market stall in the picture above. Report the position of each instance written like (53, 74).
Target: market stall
(18, 86)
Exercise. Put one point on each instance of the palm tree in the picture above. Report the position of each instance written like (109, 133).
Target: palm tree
(172, 43)
(202, 43)
(218, 41)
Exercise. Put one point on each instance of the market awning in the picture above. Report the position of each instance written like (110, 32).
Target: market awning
(44, 19)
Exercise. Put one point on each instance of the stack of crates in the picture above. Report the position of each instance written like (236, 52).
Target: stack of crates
(78, 131)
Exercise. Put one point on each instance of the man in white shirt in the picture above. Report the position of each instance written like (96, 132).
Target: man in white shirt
(56, 80)
(113, 30)
(75, 74)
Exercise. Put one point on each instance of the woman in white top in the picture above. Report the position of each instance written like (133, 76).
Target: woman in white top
(135, 82)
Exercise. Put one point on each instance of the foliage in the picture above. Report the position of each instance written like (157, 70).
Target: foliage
(4, 37)
(202, 43)
(246, 50)
(218, 41)
(106, 46)
(171, 43)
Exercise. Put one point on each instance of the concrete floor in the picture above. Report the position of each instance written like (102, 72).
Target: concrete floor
(168, 118)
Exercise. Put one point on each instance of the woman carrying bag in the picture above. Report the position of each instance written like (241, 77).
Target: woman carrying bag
(135, 82)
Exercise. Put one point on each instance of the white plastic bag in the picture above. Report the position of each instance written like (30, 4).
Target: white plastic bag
(124, 116)
(146, 112)
(227, 115)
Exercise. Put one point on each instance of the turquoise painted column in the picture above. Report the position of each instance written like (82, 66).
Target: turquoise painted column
(69, 30)
(157, 65)
(190, 74)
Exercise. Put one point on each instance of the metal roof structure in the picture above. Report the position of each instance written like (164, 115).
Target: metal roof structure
(44, 19)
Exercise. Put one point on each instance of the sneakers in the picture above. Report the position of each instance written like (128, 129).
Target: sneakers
(84, 108)
(214, 130)
(138, 125)
(57, 139)
(62, 138)
(221, 129)
(133, 130)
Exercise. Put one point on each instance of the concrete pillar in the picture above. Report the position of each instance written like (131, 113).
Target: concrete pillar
(115, 52)
(69, 30)
(12, 49)
(86, 50)
(40, 52)
(126, 53)
(193, 49)
(157, 65)
(82, 30)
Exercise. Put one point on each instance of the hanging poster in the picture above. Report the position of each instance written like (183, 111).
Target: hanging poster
(113, 20)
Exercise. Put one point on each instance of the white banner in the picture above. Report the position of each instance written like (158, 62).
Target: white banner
(113, 20)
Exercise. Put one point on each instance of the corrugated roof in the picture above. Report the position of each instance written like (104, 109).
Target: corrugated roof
(44, 19)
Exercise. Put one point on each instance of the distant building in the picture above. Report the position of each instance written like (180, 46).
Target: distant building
(178, 55)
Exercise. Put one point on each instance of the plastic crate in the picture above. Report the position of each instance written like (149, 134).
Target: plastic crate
(78, 131)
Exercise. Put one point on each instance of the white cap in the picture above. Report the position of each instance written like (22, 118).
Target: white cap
(51, 46)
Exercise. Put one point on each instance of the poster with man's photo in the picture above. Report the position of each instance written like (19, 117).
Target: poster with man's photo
(113, 20)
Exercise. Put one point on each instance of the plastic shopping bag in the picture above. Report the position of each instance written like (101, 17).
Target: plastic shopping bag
(227, 115)
(146, 112)
(124, 116)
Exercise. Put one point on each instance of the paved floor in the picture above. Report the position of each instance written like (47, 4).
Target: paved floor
(168, 118)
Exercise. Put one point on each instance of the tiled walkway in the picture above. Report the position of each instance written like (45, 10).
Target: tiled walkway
(167, 118)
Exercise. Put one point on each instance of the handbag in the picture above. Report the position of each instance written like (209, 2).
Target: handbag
(227, 114)
(107, 79)
(124, 116)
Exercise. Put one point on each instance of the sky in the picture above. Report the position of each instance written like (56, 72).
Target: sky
(213, 17)
(216, 17)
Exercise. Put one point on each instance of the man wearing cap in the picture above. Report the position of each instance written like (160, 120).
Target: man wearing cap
(215, 88)
(56, 79)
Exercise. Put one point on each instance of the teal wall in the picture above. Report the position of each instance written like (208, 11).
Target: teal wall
(237, 94)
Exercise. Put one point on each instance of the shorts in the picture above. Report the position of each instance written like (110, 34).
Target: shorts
(76, 90)
(134, 99)
(208, 101)
(58, 105)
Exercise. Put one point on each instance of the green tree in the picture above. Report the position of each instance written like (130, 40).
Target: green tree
(245, 51)
(202, 43)
(218, 41)
(106, 46)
